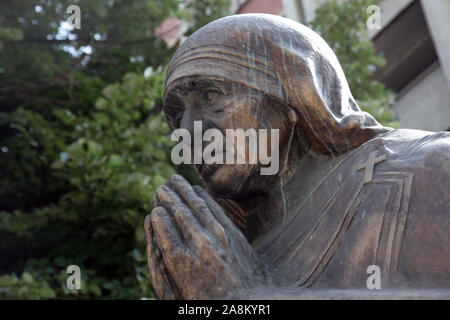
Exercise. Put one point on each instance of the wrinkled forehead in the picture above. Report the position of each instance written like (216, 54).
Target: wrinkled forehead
(223, 66)
(202, 83)
(194, 82)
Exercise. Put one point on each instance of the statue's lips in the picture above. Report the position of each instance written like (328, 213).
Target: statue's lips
(206, 170)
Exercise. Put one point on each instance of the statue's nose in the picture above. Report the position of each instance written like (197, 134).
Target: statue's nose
(189, 116)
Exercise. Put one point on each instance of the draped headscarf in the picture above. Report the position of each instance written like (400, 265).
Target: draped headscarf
(286, 60)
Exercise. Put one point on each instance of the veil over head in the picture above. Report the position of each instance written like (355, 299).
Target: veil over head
(286, 60)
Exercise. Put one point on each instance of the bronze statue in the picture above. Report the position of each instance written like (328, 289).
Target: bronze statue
(349, 192)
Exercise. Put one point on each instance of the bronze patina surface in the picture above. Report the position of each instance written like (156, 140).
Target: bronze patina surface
(349, 192)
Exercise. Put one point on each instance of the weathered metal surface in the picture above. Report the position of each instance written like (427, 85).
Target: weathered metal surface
(349, 193)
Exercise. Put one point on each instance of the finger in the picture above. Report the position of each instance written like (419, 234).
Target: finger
(160, 279)
(165, 234)
(219, 213)
(172, 292)
(175, 255)
(199, 208)
(155, 201)
(156, 279)
(162, 286)
(190, 227)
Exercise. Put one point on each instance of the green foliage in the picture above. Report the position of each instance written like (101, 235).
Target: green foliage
(116, 30)
(343, 26)
(83, 143)
(204, 11)
(25, 286)
(105, 166)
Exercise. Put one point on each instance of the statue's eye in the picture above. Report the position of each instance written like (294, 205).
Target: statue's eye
(212, 94)
(178, 118)
(175, 113)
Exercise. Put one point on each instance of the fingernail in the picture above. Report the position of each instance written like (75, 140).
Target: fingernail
(160, 189)
(177, 177)
(161, 213)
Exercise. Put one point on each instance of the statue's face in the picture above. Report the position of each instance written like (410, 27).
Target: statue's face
(224, 105)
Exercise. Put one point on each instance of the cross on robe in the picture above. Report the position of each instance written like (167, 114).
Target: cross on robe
(370, 164)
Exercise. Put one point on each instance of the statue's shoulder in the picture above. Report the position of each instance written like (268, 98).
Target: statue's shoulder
(425, 157)
(425, 243)
(418, 147)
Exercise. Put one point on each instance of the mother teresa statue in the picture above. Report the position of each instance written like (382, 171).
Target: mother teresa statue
(353, 206)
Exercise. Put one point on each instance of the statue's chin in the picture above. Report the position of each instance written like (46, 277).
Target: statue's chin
(231, 181)
(225, 181)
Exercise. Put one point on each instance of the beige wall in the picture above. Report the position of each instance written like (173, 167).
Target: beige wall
(437, 14)
(426, 105)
